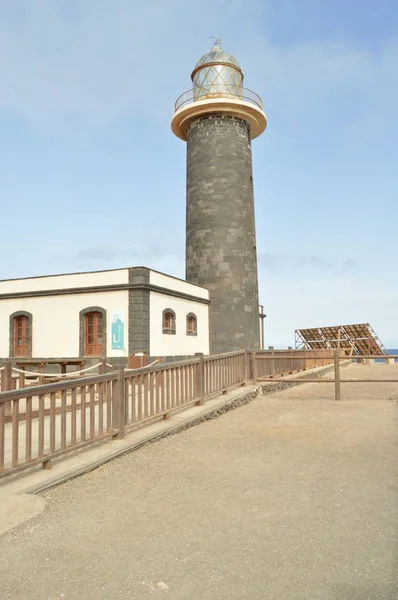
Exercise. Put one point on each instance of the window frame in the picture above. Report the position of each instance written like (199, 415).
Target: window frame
(169, 330)
(188, 318)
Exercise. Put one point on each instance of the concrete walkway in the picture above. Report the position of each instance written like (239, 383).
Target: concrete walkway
(293, 496)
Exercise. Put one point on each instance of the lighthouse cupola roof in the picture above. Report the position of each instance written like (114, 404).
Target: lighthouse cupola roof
(217, 55)
(217, 73)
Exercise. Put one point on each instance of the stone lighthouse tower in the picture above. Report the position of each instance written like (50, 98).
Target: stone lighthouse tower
(218, 118)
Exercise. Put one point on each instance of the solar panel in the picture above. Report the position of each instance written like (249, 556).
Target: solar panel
(359, 339)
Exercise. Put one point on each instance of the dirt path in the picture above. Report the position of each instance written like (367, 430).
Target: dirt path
(290, 497)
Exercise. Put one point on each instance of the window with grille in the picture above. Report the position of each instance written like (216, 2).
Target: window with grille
(192, 324)
(169, 321)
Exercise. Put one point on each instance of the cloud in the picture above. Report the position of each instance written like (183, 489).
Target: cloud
(289, 263)
(84, 67)
(112, 253)
(148, 255)
(302, 75)
(67, 66)
(347, 266)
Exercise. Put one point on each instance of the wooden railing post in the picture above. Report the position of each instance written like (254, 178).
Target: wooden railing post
(244, 368)
(3, 375)
(21, 379)
(118, 405)
(291, 359)
(7, 377)
(201, 381)
(337, 383)
(254, 366)
(271, 348)
(7, 383)
(41, 374)
(102, 367)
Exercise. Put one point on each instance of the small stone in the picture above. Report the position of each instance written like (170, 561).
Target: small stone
(163, 586)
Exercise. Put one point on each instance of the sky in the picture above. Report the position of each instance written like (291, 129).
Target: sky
(91, 176)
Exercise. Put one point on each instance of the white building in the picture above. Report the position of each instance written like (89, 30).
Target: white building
(113, 314)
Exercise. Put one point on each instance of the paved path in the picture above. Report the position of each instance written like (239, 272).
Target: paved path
(290, 497)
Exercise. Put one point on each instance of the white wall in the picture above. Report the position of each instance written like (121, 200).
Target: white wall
(56, 318)
(58, 282)
(179, 344)
(179, 285)
(56, 321)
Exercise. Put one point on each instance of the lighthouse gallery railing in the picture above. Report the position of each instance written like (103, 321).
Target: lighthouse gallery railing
(213, 92)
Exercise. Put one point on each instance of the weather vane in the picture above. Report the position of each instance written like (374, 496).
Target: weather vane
(217, 40)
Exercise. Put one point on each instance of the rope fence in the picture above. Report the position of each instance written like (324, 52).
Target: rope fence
(17, 372)
(146, 366)
(60, 375)
(137, 368)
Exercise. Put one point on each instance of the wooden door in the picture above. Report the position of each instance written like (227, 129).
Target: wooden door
(21, 336)
(93, 334)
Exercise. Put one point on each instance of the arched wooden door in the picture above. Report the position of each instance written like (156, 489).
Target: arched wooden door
(21, 336)
(93, 329)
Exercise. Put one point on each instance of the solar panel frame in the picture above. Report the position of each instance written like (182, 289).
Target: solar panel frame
(360, 337)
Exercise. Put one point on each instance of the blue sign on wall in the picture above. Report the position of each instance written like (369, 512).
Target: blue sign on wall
(118, 332)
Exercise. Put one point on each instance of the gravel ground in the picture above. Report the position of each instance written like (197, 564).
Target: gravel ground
(289, 497)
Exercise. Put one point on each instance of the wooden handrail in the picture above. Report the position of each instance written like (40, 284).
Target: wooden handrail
(47, 388)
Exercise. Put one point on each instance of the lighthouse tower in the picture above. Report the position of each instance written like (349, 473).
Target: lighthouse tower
(218, 118)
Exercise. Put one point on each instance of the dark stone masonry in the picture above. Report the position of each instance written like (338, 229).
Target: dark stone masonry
(221, 241)
(139, 319)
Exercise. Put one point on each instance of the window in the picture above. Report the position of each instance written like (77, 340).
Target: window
(169, 321)
(94, 334)
(21, 334)
(192, 324)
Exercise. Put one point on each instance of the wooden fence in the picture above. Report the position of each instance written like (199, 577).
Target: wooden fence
(272, 363)
(41, 422)
(12, 378)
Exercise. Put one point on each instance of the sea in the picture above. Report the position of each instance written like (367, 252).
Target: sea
(393, 351)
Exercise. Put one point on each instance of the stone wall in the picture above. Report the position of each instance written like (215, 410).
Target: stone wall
(139, 317)
(220, 239)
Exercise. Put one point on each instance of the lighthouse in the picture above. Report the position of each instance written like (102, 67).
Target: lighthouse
(218, 119)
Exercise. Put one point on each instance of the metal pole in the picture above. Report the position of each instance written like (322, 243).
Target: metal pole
(262, 317)
(337, 383)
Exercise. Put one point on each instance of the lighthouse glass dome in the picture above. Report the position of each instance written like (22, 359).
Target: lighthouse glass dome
(217, 73)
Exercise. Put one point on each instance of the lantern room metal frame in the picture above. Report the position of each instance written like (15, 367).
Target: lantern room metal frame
(218, 89)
